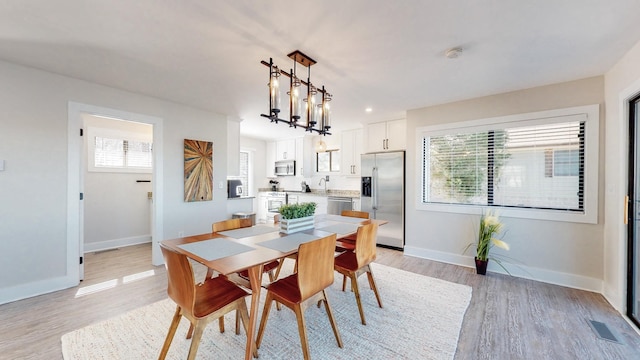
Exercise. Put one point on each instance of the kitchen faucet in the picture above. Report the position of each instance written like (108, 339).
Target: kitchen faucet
(325, 183)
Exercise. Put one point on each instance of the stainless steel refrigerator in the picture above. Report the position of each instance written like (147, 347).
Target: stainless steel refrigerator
(382, 194)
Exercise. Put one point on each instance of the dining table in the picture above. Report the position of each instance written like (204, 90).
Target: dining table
(233, 251)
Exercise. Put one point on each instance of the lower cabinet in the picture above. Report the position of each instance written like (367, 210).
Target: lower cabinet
(321, 202)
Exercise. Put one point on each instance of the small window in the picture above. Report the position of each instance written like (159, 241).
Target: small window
(328, 161)
(244, 172)
(118, 151)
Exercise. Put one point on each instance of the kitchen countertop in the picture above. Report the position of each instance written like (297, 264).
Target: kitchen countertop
(317, 192)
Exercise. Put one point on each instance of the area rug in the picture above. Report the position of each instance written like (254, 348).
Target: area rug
(421, 319)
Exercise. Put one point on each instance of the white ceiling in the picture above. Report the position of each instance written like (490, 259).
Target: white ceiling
(388, 55)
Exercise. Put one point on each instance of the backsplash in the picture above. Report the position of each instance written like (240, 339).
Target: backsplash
(336, 182)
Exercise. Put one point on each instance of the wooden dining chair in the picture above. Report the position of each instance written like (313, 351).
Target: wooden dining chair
(348, 243)
(297, 291)
(352, 264)
(200, 303)
(269, 268)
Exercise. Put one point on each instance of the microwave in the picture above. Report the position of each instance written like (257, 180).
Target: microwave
(285, 168)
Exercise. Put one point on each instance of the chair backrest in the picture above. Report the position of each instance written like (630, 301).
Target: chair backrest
(181, 283)
(354, 213)
(315, 265)
(231, 224)
(366, 244)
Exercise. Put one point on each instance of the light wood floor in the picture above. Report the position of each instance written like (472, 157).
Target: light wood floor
(508, 318)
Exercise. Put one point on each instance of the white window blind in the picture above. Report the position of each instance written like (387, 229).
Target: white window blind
(537, 164)
(244, 172)
(121, 153)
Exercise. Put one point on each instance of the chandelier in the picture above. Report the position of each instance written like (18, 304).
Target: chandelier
(316, 117)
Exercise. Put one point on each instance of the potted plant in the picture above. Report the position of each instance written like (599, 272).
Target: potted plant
(490, 225)
(297, 217)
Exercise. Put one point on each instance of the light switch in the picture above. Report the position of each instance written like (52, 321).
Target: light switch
(1, 165)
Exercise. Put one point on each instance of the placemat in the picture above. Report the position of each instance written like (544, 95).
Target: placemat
(248, 231)
(289, 242)
(340, 228)
(344, 219)
(215, 248)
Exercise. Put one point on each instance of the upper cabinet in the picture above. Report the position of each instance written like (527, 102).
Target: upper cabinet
(271, 159)
(351, 149)
(386, 136)
(286, 149)
(298, 149)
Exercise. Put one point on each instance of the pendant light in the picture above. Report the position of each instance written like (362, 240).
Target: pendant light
(318, 116)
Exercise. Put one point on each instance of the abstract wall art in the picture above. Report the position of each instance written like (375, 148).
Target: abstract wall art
(198, 170)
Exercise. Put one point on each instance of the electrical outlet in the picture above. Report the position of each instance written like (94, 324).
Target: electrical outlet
(327, 178)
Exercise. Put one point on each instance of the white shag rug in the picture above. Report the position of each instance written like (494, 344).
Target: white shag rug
(421, 319)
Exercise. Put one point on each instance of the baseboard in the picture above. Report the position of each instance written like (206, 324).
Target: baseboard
(23, 291)
(526, 272)
(116, 243)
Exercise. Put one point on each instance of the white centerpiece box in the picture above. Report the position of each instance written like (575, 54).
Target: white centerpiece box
(297, 217)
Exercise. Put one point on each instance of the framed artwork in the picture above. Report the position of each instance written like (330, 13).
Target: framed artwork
(198, 170)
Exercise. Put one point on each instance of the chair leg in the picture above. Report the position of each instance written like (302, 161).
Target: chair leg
(243, 314)
(356, 291)
(272, 278)
(209, 274)
(265, 316)
(237, 323)
(372, 284)
(195, 342)
(302, 330)
(172, 331)
(190, 331)
(344, 282)
(221, 323)
(332, 320)
(279, 267)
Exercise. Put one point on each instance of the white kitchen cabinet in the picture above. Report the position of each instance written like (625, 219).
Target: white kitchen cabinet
(270, 159)
(351, 149)
(263, 205)
(304, 157)
(355, 204)
(386, 136)
(286, 149)
(321, 202)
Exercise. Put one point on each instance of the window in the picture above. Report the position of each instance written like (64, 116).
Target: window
(328, 161)
(537, 163)
(119, 151)
(244, 172)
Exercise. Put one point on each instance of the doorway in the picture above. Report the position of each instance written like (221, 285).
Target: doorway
(633, 230)
(75, 188)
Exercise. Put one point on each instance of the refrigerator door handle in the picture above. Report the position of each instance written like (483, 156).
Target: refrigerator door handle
(374, 189)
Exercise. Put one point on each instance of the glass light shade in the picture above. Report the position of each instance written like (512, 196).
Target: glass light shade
(294, 96)
(326, 112)
(321, 146)
(312, 110)
(274, 90)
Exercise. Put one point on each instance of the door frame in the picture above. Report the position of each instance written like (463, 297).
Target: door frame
(633, 169)
(75, 186)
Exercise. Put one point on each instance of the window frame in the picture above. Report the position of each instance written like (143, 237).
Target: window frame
(590, 115)
(93, 132)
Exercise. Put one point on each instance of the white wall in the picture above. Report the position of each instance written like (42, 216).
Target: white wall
(621, 83)
(558, 252)
(33, 187)
(117, 210)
